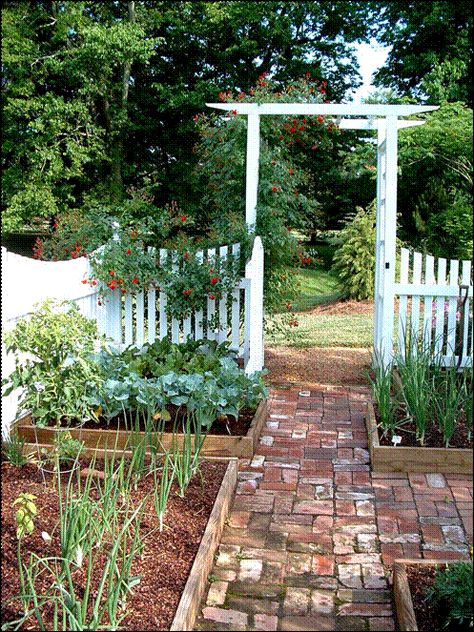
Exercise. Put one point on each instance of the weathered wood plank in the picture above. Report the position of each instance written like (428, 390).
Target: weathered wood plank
(414, 459)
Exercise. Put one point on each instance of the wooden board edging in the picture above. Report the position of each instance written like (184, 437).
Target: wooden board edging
(402, 595)
(189, 604)
(414, 459)
(215, 445)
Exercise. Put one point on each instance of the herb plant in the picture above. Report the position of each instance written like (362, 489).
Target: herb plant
(453, 591)
(59, 372)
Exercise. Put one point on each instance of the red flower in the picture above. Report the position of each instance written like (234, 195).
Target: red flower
(84, 281)
(274, 162)
(123, 291)
(187, 292)
(233, 112)
(275, 189)
(320, 119)
(135, 281)
(302, 128)
(212, 297)
(129, 251)
(214, 280)
(111, 272)
(292, 130)
(186, 256)
(291, 172)
(307, 74)
(183, 218)
(94, 282)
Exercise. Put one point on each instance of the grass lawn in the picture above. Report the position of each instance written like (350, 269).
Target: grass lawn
(316, 286)
(319, 286)
(322, 330)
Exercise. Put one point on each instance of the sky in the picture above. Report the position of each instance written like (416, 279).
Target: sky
(371, 57)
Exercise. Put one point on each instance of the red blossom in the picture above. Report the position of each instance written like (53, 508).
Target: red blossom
(129, 251)
(292, 130)
(186, 256)
(275, 189)
(135, 281)
(212, 297)
(187, 292)
(111, 272)
(214, 280)
(84, 281)
(320, 119)
(307, 74)
(183, 218)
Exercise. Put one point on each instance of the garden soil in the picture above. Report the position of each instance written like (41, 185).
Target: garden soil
(167, 557)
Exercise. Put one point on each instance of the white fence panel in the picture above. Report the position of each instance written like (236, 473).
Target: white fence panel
(444, 299)
(128, 319)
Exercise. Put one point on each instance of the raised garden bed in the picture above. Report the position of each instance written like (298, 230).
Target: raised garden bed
(222, 445)
(411, 580)
(174, 565)
(387, 458)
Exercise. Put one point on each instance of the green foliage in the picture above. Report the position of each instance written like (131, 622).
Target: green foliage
(12, 450)
(387, 405)
(354, 260)
(453, 593)
(160, 374)
(60, 374)
(25, 514)
(430, 48)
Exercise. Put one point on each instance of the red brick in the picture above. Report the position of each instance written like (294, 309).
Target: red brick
(287, 487)
(323, 564)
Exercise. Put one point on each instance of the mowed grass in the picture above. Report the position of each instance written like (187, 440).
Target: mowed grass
(317, 286)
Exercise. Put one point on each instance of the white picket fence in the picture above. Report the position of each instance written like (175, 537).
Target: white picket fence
(135, 319)
(435, 306)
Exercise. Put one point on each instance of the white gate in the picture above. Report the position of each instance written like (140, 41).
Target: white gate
(435, 306)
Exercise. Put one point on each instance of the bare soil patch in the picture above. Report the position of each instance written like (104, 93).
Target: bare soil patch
(339, 308)
(335, 365)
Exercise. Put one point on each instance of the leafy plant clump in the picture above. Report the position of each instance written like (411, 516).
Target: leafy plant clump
(453, 593)
(354, 260)
(59, 373)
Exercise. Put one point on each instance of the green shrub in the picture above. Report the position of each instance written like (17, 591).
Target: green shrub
(354, 260)
(453, 591)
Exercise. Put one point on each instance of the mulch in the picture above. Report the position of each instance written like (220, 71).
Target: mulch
(313, 366)
(429, 616)
(433, 436)
(167, 557)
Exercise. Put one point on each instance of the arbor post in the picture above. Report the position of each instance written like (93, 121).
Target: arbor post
(253, 155)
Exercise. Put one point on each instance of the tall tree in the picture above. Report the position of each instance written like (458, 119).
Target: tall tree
(431, 54)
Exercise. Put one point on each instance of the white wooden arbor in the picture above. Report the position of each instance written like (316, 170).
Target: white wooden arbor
(384, 119)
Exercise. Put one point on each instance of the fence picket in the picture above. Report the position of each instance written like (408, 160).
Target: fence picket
(128, 320)
(199, 315)
(163, 300)
(235, 318)
(466, 280)
(440, 302)
(222, 334)
(415, 301)
(140, 319)
(151, 320)
(428, 311)
(402, 314)
(211, 304)
(452, 309)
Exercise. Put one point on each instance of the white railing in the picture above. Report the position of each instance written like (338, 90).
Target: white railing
(137, 319)
(435, 306)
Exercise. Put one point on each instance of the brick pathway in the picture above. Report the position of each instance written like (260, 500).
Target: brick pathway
(312, 532)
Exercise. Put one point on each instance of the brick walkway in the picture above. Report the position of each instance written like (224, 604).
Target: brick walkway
(312, 532)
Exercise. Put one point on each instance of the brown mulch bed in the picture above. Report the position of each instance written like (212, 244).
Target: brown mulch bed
(429, 616)
(340, 308)
(166, 561)
(335, 365)
(433, 437)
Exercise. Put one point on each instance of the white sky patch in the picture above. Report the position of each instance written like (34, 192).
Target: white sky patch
(371, 57)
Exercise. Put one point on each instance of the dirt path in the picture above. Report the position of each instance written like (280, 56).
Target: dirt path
(335, 365)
